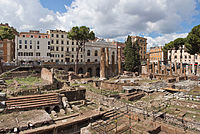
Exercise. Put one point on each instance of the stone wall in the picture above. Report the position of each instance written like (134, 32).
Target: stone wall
(47, 75)
(75, 95)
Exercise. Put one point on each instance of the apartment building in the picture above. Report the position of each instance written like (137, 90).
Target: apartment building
(143, 46)
(156, 54)
(93, 50)
(32, 46)
(63, 50)
(184, 57)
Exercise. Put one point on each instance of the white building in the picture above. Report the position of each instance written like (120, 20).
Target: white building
(32, 46)
(93, 53)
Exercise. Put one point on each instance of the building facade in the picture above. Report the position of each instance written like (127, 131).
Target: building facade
(32, 46)
(63, 50)
(184, 57)
(7, 50)
(156, 54)
(143, 46)
(93, 53)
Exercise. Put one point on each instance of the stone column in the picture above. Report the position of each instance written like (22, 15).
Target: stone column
(113, 65)
(107, 61)
(181, 68)
(103, 65)
(187, 72)
(158, 67)
(175, 66)
(165, 70)
(184, 71)
(170, 69)
(119, 60)
(153, 68)
(147, 66)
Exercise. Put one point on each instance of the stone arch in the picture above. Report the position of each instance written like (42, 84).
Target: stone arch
(80, 70)
(70, 69)
(56, 109)
(48, 110)
(90, 71)
(98, 72)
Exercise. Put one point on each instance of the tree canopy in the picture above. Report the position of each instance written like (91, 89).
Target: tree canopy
(193, 41)
(6, 33)
(132, 57)
(81, 35)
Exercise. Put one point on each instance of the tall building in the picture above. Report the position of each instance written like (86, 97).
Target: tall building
(32, 46)
(7, 50)
(156, 54)
(143, 46)
(7, 47)
(63, 50)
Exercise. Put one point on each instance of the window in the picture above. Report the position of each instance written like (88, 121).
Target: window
(175, 56)
(39, 36)
(76, 43)
(23, 35)
(62, 42)
(62, 36)
(88, 60)
(49, 47)
(62, 55)
(57, 48)
(81, 56)
(62, 48)
(189, 57)
(72, 49)
(67, 49)
(38, 42)
(30, 46)
(72, 43)
(72, 60)
(61, 61)
(30, 41)
(25, 46)
(88, 53)
(96, 60)
(51, 41)
(57, 35)
(25, 41)
(96, 53)
(67, 42)
(48, 42)
(31, 36)
(20, 46)
(57, 42)
(52, 35)
(20, 41)
(48, 54)
(72, 56)
(37, 54)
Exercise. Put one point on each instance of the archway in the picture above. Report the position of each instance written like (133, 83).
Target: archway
(90, 71)
(98, 72)
(47, 109)
(71, 69)
(80, 71)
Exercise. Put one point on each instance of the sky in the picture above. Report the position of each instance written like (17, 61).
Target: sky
(160, 21)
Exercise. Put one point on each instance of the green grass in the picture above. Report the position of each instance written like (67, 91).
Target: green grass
(27, 80)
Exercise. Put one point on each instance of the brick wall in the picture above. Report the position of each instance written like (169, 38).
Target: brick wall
(47, 75)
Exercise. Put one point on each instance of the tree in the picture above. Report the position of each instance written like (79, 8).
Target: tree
(193, 43)
(81, 35)
(132, 57)
(6, 33)
(168, 46)
(178, 43)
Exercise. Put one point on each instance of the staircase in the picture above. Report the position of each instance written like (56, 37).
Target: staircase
(32, 102)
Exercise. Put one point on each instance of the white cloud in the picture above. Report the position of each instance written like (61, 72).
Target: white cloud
(108, 18)
(162, 40)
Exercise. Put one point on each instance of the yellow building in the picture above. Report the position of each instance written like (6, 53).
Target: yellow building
(143, 46)
(155, 54)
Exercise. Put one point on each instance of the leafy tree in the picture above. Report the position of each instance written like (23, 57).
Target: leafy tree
(193, 43)
(6, 33)
(81, 35)
(132, 57)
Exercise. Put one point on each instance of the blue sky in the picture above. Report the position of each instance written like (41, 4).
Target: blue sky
(160, 21)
